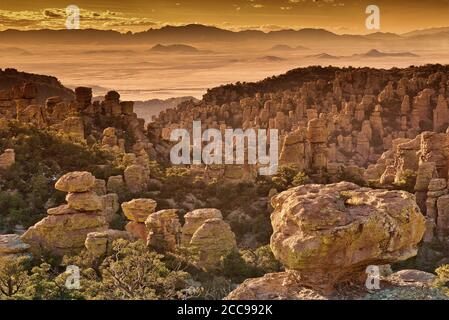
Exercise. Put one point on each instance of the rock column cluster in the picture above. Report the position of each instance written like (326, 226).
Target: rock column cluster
(205, 232)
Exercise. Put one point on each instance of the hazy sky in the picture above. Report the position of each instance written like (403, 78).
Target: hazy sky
(341, 16)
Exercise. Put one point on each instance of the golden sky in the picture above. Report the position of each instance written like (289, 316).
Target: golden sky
(340, 16)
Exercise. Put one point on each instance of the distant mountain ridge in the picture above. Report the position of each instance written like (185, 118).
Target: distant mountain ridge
(201, 33)
(373, 53)
(174, 48)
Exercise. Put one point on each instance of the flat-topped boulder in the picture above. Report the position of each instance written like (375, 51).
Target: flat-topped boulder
(75, 182)
(139, 209)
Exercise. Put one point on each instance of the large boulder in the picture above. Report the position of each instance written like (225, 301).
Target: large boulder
(75, 182)
(139, 209)
(194, 220)
(63, 234)
(331, 233)
(213, 241)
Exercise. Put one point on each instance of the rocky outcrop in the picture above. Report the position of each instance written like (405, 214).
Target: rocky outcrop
(425, 157)
(327, 235)
(313, 226)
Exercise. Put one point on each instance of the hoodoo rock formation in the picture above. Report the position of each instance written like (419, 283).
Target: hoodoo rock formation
(65, 229)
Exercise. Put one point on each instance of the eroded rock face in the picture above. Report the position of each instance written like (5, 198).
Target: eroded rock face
(75, 182)
(139, 209)
(331, 233)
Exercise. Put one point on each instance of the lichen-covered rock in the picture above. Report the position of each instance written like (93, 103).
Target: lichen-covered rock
(213, 241)
(84, 201)
(164, 230)
(11, 244)
(194, 220)
(63, 234)
(139, 209)
(331, 233)
(75, 182)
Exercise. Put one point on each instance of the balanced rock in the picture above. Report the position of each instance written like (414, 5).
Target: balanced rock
(331, 233)
(76, 182)
(139, 209)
